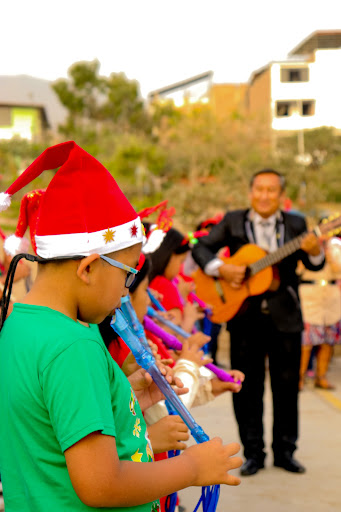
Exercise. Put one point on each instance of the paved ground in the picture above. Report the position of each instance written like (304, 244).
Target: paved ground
(273, 489)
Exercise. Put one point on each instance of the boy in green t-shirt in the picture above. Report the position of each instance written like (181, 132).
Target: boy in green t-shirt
(72, 435)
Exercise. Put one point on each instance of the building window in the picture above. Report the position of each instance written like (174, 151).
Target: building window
(308, 108)
(288, 108)
(294, 74)
(284, 108)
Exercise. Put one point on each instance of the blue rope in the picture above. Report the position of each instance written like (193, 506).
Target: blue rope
(209, 498)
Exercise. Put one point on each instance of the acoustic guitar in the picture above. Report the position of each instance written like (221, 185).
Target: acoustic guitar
(227, 301)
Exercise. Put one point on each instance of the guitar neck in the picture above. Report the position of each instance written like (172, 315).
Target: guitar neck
(275, 257)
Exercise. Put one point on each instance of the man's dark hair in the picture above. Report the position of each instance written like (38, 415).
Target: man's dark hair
(269, 171)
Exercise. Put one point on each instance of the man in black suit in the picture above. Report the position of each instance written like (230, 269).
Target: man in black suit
(267, 325)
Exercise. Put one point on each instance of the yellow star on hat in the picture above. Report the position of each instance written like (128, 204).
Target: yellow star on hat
(109, 236)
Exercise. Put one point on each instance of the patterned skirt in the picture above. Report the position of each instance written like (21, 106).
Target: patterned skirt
(317, 334)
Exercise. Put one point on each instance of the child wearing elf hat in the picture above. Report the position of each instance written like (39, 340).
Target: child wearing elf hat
(72, 435)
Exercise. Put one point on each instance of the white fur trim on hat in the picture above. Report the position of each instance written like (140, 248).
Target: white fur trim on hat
(154, 241)
(83, 244)
(14, 245)
(5, 201)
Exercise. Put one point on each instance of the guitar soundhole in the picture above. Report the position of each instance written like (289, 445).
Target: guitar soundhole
(247, 274)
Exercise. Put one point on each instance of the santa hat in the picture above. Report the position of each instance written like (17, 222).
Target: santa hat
(83, 210)
(157, 232)
(28, 217)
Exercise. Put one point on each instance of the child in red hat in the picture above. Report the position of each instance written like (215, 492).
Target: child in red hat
(72, 435)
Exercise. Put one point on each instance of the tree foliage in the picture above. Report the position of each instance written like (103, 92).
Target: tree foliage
(91, 98)
(201, 163)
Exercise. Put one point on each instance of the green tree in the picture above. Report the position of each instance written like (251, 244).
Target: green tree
(94, 101)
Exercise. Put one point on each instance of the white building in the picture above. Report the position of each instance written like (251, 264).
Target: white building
(29, 107)
(301, 92)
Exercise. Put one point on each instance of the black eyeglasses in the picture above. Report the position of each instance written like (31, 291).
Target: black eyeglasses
(131, 272)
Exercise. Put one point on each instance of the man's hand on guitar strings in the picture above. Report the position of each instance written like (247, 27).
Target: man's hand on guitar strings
(311, 245)
(233, 274)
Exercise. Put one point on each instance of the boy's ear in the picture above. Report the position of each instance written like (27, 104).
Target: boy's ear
(83, 268)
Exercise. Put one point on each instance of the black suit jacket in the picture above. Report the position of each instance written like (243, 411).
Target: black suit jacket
(234, 231)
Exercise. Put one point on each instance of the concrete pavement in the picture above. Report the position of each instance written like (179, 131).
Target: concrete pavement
(319, 449)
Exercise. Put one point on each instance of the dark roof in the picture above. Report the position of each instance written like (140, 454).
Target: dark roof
(321, 39)
(179, 85)
(27, 91)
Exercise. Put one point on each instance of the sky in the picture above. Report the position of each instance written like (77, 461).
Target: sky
(157, 42)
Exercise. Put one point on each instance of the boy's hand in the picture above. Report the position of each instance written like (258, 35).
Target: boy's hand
(194, 354)
(169, 433)
(147, 392)
(156, 294)
(184, 287)
(192, 313)
(198, 339)
(218, 386)
(212, 461)
(167, 315)
(154, 350)
(129, 365)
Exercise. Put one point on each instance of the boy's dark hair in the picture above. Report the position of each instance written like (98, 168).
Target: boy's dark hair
(143, 273)
(269, 171)
(173, 243)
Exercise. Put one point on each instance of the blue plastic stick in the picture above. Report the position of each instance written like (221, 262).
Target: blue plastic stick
(156, 302)
(147, 361)
(154, 314)
(172, 342)
(209, 495)
(130, 314)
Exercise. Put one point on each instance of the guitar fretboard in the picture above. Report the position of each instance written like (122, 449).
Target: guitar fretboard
(277, 256)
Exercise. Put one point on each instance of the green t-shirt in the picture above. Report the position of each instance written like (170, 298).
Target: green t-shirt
(58, 383)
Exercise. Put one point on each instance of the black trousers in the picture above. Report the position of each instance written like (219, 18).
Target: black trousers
(253, 337)
(213, 344)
